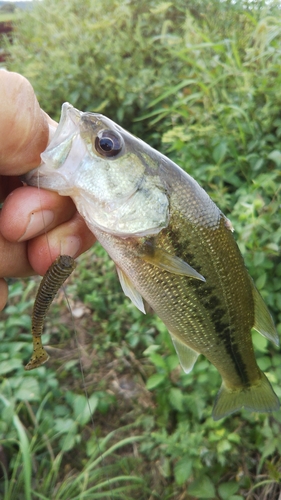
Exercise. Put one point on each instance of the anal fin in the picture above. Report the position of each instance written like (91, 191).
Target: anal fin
(186, 355)
(130, 291)
(263, 320)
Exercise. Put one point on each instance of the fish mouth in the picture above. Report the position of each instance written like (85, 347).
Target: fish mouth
(61, 143)
(57, 151)
(68, 125)
(68, 110)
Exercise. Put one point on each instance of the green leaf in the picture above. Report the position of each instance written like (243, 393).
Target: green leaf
(158, 361)
(268, 449)
(227, 489)
(151, 349)
(260, 282)
(9, 366)
(84, 408)
(264, 363)
(28, 390)
(64, 425)
(24, 321)
(183, 470)
(276, 157)
(202, 488)
(172, 362)
(220, 152)
(7, 414)
(176, 399)
(67, 442)
(259, 341)
(155, 380)
(223, 446)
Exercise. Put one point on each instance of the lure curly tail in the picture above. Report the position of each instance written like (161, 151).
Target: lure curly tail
(54, 278)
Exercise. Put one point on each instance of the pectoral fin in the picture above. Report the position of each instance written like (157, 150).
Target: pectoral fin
(171, 263)
(130, 291)
(187, 356)
(263, 320)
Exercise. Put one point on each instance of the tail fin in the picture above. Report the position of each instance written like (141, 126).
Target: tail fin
(38, 358)
(259, 397)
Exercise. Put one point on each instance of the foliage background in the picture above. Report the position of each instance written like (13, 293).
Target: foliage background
(201, 82)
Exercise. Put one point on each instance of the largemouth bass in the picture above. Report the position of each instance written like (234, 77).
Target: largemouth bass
(172, 246)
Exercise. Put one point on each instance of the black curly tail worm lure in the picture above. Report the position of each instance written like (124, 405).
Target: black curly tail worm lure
(54, 278)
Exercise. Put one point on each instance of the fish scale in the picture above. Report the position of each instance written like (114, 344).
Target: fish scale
(172, 247)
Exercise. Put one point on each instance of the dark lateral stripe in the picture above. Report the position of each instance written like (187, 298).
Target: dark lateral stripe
(207, 296)
(213, 304)
(234, 354)
(225, 333)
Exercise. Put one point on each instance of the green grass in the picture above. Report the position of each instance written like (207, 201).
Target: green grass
(36, 471)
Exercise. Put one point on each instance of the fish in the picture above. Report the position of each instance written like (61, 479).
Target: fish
(173, 248)
(53, 279)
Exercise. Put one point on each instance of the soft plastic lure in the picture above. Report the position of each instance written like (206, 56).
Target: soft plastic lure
(54, 278)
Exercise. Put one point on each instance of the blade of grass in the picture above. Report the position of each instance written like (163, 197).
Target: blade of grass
(25, 451)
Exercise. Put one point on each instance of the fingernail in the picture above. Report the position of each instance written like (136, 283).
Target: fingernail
(70, 246)
(38, 222)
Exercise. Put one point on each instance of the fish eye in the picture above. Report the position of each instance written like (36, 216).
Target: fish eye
(108, 143)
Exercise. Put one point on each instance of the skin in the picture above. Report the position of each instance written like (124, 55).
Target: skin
(29, 242)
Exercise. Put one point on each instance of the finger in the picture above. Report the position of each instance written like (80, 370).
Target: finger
(3, 293)
(14, 261)
(71, 238)
(24, 128)
(7, 185)
(28, 212)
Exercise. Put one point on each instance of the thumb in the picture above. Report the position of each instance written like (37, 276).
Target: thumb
(24, 127)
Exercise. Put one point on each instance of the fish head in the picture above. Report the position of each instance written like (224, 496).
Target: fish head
(113, 177)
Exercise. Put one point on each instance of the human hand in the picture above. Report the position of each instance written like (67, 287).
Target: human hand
(35, 225)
